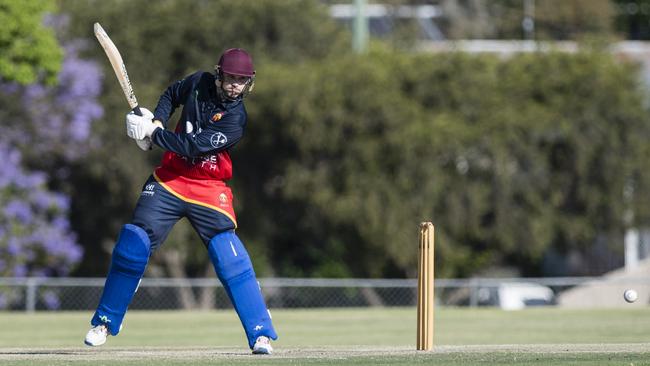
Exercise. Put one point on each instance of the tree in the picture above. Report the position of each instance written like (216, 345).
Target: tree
(46, 116)
(46, 132)
(35, 234)
(29, 49)
(510, 158)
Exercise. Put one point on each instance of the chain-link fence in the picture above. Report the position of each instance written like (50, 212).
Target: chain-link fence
(207, 293)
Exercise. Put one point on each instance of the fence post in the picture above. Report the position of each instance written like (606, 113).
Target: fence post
(30, 301)
(473, 292)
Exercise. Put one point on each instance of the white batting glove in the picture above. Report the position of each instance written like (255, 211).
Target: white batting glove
(144, 144)
(140, 127)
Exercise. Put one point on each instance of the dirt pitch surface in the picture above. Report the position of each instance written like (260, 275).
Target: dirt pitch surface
(165, 353)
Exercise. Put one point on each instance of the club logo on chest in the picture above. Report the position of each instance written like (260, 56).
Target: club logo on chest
(216, 117)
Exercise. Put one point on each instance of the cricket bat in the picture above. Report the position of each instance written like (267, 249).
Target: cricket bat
(118, 66)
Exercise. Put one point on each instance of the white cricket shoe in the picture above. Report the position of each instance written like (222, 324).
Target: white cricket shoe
(96, 335)
(262, 346)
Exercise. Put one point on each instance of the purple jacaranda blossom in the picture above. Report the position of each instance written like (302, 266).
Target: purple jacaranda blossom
(11, 170)
(13, 246)
(46, 129)
(19, 210)
(35, 91)
(51, 300)
(53, 244)
(61, 116)
(80, 75)
(82, 79)
(60, 201)
(10, 156)
(36, 235)
(9, 88)
(42, 200)
(20, 270)
(31, 180)
(57, 22)
(74, 253)
(60, 224)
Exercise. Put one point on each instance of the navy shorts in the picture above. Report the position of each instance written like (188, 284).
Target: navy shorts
(158, 210)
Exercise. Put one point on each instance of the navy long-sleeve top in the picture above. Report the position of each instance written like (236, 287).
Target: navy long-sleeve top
(207, 128)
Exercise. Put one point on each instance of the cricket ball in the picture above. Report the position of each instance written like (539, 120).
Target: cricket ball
(630, 296)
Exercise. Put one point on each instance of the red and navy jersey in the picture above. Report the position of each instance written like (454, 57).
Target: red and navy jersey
(206, 130)
(196, 161)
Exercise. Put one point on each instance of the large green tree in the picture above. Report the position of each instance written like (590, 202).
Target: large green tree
(29, 49)
(510, 158)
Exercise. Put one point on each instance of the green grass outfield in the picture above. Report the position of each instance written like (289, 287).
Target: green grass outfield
(543, 336)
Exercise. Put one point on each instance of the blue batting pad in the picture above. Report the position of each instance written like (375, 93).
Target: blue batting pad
(235, 270)
(130, 257)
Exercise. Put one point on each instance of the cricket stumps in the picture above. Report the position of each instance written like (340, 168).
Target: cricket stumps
(425, 288)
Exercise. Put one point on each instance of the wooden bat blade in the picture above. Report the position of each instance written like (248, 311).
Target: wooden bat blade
(118, 66)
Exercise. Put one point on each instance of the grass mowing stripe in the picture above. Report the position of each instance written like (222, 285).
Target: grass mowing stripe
(303, 357)
(373, 336)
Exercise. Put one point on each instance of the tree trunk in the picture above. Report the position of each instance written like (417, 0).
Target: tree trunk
(175, 265)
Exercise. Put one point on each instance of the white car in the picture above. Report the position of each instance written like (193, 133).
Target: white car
(517, 295)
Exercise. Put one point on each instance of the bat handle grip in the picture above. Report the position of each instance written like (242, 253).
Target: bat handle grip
(138, 112)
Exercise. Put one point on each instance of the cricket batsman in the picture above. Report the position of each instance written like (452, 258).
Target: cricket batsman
(191, 183)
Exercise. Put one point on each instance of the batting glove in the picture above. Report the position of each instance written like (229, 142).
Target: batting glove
(140, 127)
(144, 144)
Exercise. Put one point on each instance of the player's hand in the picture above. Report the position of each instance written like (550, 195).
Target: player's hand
(140, 127)
(144, 144)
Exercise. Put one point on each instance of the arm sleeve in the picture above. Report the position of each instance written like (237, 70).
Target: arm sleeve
(172, 98)
(216, 137)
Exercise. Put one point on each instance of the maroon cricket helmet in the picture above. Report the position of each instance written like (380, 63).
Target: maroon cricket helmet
(236, 61)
